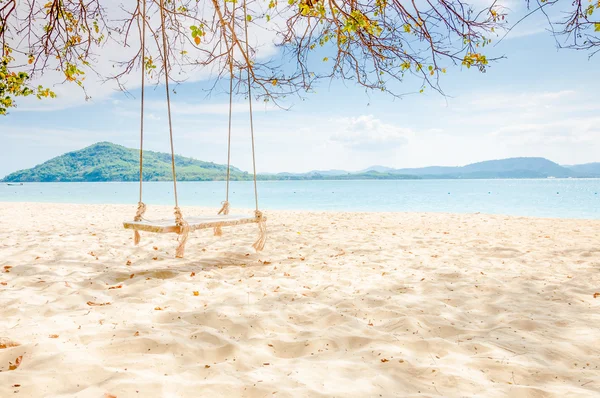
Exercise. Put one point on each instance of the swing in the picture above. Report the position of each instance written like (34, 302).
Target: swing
(179, 225)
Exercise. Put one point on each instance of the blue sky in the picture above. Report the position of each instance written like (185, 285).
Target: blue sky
(539, 101)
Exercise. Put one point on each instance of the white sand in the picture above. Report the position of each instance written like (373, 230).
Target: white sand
(339, 304)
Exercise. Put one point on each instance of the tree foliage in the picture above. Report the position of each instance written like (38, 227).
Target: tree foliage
(15, 84)
(580, 25)
(374, 43)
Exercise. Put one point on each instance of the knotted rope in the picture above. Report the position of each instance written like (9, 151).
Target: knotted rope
(225, 211)
(262, 231)
(141, 206)
(218, 231)
(139, 216)
(262, 223)
(184, 227)
(184, 230)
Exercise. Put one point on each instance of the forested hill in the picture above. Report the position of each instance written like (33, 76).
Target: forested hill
(105, 161)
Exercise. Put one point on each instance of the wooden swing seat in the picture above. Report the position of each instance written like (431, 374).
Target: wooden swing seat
(203, 222)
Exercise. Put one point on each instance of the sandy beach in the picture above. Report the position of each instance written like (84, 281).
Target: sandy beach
(338, 305)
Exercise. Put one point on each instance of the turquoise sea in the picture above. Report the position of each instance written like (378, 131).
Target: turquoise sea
(562, 198)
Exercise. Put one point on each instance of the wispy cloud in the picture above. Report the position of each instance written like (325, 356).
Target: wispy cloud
(368, 133)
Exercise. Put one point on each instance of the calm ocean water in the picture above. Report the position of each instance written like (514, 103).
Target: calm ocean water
(563, 198)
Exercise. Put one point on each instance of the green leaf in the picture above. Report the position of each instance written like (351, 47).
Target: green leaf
(248, 18)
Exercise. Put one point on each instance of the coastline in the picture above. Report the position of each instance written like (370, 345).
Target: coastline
(339, 303)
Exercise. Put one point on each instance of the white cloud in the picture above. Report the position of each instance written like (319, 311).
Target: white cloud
(368, 133)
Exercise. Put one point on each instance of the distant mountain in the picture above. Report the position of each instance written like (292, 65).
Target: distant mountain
(328, 172)
(312, 173)
(504, 168)
(345, 175)
(534, 166)
(105, 161)
(428, 171)
(586, 170)
(378, 169)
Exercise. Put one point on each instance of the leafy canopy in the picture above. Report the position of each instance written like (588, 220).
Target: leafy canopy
(373, 43)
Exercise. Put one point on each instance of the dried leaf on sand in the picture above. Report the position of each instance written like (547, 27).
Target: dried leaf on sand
(93, 304)
(14, 366)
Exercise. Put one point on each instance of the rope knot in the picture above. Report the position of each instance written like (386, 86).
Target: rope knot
(141, 209)
(184, 230)
(139, 216)
(262, 231)
(225, 208)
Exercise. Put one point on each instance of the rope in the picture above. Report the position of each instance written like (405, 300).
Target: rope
(184, 227)
(141, 206)
(262, 224)
(165, 65)
(250, 104)
(142, 101)
(139, 216)
(184, 230)
(262, 231)
(218, 231)
(230, 106)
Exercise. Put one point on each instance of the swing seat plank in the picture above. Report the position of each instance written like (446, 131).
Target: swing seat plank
(204, 222)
